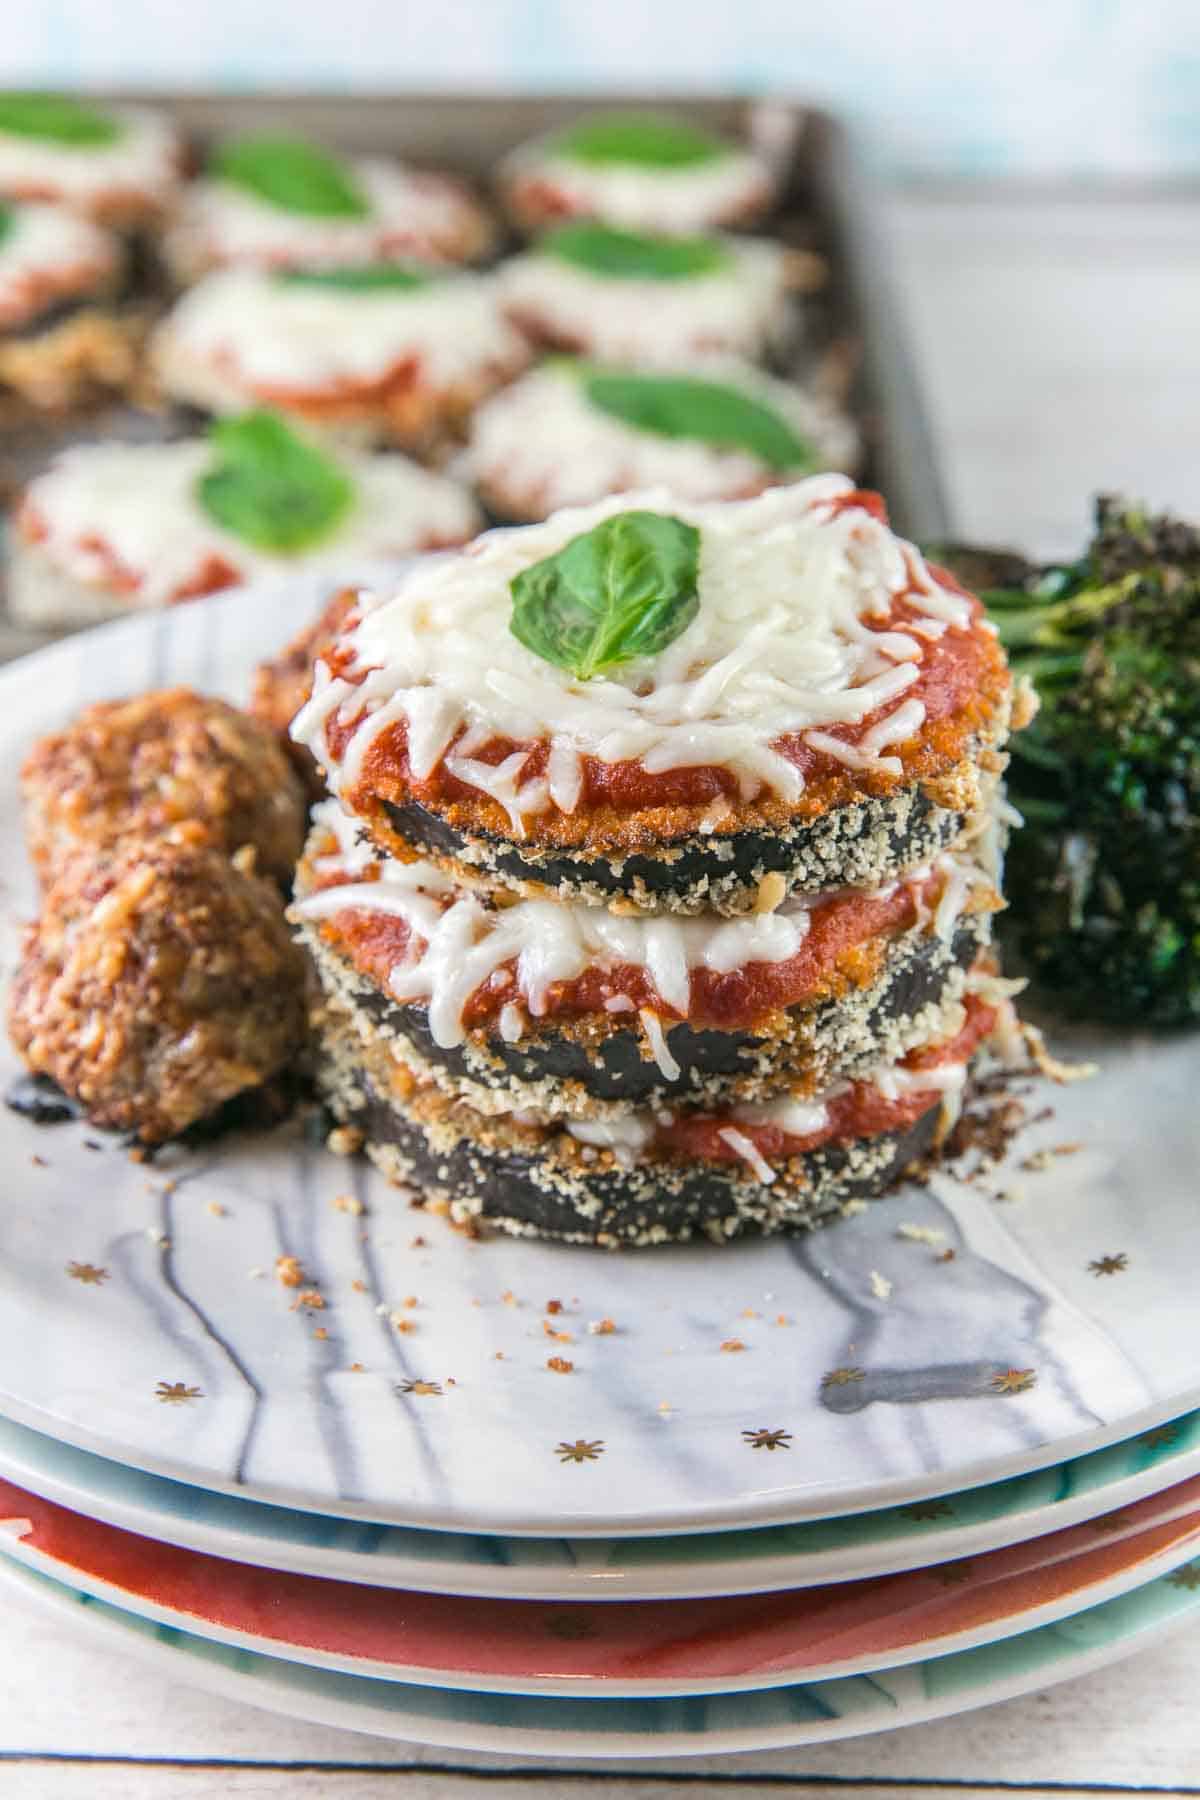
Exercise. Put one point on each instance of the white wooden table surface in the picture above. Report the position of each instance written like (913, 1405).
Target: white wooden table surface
(1060, 346)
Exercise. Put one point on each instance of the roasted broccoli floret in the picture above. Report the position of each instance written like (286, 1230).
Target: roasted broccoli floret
(1104, 881)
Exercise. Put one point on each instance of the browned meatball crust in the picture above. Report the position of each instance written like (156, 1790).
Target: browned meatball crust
(158, 983)
(167, 763)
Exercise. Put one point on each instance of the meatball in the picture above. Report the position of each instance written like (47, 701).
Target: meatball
(157, 984)
(171, 763)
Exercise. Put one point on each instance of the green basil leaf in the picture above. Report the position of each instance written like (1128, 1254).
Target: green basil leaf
(270, 487)
(632, 255)
(683, 406)
(292, 174)
(625, 589)
(8, 219)
(58, 119)
(359, 278)
(647, 140)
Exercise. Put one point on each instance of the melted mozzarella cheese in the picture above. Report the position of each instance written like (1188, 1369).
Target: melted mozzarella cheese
(796, 1115)
(45, 245)
(640, 198)
(143, 162)
(135, 504)
(541, 443)
(265, 334)
(737, 309)
(457, 942)
(410, 213)
(789, 587)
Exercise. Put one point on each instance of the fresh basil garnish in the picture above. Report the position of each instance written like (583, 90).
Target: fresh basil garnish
(648, 140)
(683, 406)
(270, 487)
(361, 278)
(58, 119)
(8, 219)
(292, 174)
(625, 589)
(634, 255)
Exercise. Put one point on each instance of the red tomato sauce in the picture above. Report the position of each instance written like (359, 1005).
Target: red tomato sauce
(860, 1110)
(960, 681)
(843, 948)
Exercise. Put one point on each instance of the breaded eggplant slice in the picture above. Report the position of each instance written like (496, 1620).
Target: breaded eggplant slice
(822, 713)
(647, 1177)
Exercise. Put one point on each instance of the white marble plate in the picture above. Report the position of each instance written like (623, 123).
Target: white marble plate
(813, 1712)
(189, 1360)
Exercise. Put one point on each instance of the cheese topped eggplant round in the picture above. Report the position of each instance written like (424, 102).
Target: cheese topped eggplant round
(668, 700)
(270, 201)
(382, 347)
(111, 527)
(51, 258)
(120, 165)
(570, 432)
(644, 171)
(648, 298)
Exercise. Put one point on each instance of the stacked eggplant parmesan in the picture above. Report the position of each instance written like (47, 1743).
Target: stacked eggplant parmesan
(653, 894)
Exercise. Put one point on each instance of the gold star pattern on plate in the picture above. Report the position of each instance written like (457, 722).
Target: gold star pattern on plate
(1014, 1381)
(762, 1439)
(1109, 1265)
(87, 1273)
(842, 1377)
(1162, 1434)
(929, 1509)
(175, 1393)
(1188, 1577)
(420, 1387)
(582, 1450)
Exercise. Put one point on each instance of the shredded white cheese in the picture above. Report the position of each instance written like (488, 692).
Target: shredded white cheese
(625, 1137)
(45, 244)
(749, 1152)
(736, 309)
(142, 163)
(458, 944)
(134, 505)
(881, 1287)
(540, 444)
(259, 334)
(782, 643)
(641, 198)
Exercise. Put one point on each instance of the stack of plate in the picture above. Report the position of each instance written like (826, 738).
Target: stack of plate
(507, 1496)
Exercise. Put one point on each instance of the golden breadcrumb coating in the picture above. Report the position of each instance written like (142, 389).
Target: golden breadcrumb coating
(158, 982)
(170, 762)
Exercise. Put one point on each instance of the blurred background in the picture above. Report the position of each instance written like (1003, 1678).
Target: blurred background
(1067, 89)
(1035, 158)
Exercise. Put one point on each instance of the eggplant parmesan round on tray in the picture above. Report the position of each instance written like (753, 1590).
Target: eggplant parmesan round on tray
(373, 352)
(654, 894)
(110, 528)
(630, 297)
(570, 432)
(119, 165)
(645, 171)
(273, 202)
(62, 278)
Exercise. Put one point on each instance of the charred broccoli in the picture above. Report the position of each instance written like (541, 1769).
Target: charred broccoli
(1104, 881)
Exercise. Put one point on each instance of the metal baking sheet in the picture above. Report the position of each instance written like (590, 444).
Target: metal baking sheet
(853, 337)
